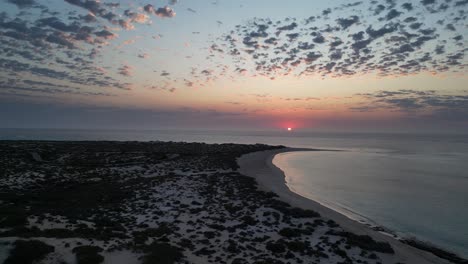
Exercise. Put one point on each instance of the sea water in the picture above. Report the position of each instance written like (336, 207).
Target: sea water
(413, 184)
(418, 195)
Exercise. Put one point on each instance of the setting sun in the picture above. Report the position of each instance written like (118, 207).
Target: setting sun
(289, 129)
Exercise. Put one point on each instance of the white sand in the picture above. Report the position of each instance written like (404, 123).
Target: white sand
(270, 178)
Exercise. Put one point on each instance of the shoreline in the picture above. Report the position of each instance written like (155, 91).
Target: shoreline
(139, 199)
(259, 165)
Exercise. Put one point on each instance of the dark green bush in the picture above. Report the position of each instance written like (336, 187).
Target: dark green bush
(88, 254)
(28, 251)
(277, 247)
(294, 232)
(162, 253)
(11, 216)
(367, 242)
(297, 246)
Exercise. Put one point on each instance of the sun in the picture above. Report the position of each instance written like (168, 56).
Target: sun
(289, 129)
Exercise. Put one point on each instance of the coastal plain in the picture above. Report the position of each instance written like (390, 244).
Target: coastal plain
(170, 202)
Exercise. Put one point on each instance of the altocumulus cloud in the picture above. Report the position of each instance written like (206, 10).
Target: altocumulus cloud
(65, 45)
(387, 38)
(419, 103)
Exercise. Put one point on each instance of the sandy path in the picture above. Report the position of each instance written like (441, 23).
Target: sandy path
(270, 178)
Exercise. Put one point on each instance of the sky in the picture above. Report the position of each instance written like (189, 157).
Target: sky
(383, 65)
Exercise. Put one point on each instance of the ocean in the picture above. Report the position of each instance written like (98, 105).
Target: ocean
(415, 185)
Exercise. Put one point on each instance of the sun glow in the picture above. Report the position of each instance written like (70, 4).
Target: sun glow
(289, 129)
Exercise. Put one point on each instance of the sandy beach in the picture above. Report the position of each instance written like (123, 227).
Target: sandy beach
(271, 178)
(170, 202)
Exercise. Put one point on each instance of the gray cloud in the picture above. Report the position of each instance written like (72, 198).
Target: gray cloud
(14, 87)
(22, 3)
(391, 44)
(427, 104)
(461, 3)
(23, 112)
(95, 7)
(428, 2)
(61, 42)
(407, 6)
(149, 8)
(392, 14)
(347, 22)
(126, 70)
(165, 12)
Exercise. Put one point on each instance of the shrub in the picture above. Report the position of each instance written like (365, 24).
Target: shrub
(297, 246)
(28, 251)
(294, 232)
(277, 247)
(209, 234)
(301, 213)
(249, 220)
(268, 261)
(162, 253)
(88, 255)
(367, 242)
(232, 247)
(12, 217)
(239, 261)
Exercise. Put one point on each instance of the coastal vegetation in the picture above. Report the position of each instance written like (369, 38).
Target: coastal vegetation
(160, 202)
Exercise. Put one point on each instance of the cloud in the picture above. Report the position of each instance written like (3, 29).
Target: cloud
(312, 56)
(126, 24)
(301, 99)
(59, 115)
(63, 45)
(22, 3)
(89, 18)
(392, 14)
(55, 23)
(149, 8)
(386, 29)
(106, 34)
(126, 70)
(61, 38)
(351, 5)
(95, 7)
(166, 86)
(428, 104)
(136, 17)
(165, 12)
(379, 9)
(347, 22)
(365, 42)
(450, 27)
(461, 3)
(319, 39)
(326, 12)
(143, 56)
(387, 38)
(88, 77)
(407, 6)
(428, 2)
(288, 27)
(27, 87)
(233, 103)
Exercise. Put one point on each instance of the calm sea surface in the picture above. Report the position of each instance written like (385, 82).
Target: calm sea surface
(413, 184)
